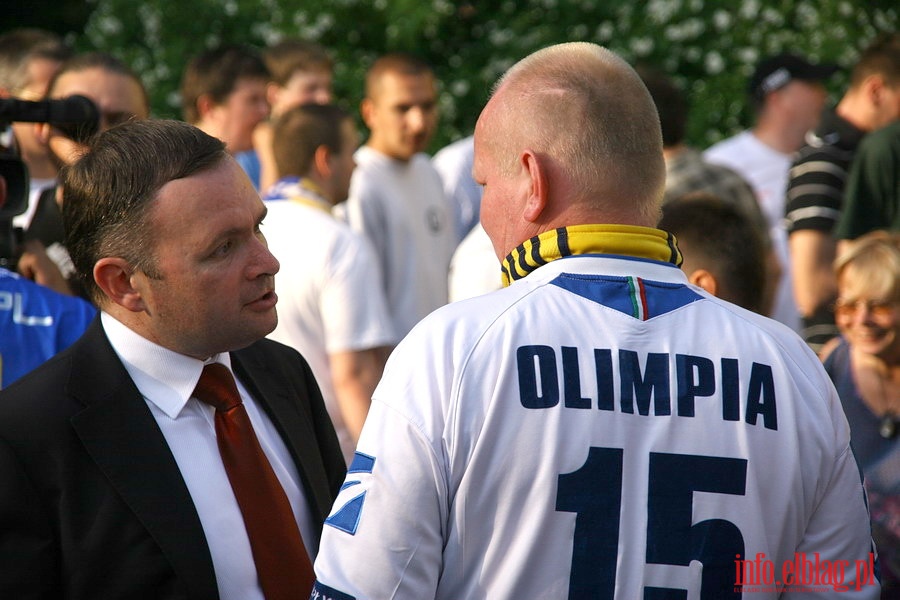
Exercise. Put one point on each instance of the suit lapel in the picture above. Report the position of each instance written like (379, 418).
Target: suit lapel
(283, 406)
(119, 433)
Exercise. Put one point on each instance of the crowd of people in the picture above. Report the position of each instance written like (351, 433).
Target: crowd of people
(246, 356)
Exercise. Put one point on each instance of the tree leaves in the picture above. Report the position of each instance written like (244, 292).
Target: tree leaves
(709, 46)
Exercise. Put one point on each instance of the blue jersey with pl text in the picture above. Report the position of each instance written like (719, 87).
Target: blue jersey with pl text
(35, 323)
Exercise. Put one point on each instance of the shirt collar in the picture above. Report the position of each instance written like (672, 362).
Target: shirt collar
(302, 190)
(163, 377)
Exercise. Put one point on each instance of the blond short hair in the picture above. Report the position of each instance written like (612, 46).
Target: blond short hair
(587, 108)
(875, 259)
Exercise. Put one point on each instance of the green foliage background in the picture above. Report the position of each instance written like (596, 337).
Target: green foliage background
(709, 46)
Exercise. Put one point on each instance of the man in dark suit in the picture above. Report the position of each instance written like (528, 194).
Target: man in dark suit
(111, 479)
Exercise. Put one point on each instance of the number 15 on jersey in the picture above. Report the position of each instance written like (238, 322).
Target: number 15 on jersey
(594, 493)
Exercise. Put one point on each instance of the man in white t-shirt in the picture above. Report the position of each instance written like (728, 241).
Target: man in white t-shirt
(331, 307)
(788, 97)
(599, 428)
(454, 163)
(396, 196)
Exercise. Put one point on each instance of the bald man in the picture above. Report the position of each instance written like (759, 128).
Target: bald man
(598, 428)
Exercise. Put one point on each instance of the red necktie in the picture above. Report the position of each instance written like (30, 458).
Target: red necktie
(282, 564)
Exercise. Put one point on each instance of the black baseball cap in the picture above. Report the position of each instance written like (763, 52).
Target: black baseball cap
(777, 71)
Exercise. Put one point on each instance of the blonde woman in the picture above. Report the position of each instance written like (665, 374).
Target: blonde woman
(864, 364)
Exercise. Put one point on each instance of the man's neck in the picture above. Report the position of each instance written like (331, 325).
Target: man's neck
(779, 138)
(854, 109)
(318, 185)
(382, 152)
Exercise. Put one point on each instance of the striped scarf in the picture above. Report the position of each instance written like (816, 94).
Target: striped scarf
(622, 240)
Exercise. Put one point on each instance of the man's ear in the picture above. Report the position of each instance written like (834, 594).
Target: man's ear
(115, 276)
(706, 280)
(873, 87)
(367, 110)
(537, 185)
(879, 94)
(205, 104)
(273, 91)
(322, 161)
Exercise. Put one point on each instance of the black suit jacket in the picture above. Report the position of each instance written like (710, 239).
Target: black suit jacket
(92, 504)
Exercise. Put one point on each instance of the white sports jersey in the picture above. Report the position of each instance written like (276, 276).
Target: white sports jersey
(454, 163)
(329, 293)
(401, 208)
(598, 429)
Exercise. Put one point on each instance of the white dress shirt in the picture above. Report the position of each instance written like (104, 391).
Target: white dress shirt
(166, 380)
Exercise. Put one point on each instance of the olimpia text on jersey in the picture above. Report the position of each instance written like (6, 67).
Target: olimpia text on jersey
(694, 377)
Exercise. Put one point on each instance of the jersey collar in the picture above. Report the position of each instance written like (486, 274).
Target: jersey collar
(301, 190)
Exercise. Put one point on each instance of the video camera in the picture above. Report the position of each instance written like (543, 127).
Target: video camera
(76, 117)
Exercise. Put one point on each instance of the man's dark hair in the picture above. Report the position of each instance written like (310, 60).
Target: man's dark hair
(670, 104)
(292, 55)
(300, 130)
(720, 238)
(109, 191)
(216, 72)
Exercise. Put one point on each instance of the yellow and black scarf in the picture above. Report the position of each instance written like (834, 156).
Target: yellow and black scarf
(621, 240)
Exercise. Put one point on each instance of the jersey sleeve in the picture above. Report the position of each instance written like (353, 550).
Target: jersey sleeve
(354, 309)
(385, 535)
(382, 538)
(837, 529)
(837, 533)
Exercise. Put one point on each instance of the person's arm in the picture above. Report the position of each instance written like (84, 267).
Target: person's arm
(354, 375)
(812, 254)
(813, 203)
